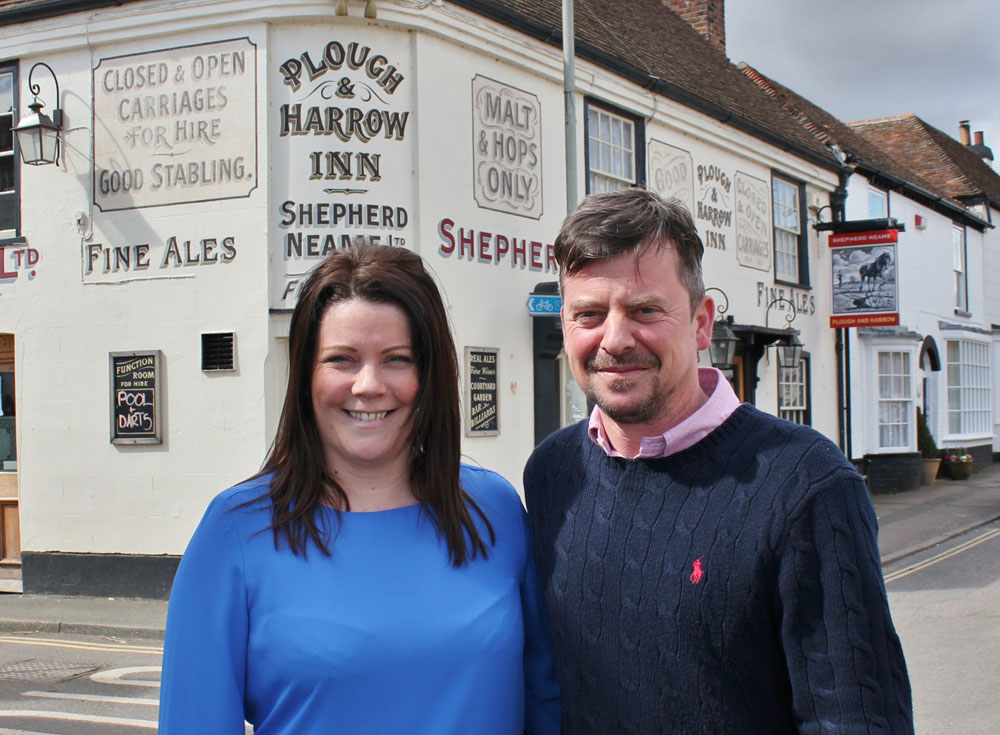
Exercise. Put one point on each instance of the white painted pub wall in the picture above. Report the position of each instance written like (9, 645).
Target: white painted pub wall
(79, 492)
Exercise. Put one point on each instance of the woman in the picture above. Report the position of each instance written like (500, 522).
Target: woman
(365, 581)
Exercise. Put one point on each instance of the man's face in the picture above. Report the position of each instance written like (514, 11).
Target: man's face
(632, 341)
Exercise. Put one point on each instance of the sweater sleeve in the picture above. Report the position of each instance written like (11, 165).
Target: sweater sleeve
(845, 662)
(542, 713)
(205, 647)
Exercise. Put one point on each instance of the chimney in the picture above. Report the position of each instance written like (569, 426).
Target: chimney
(708, 17)
(981, 149)
(963, 132)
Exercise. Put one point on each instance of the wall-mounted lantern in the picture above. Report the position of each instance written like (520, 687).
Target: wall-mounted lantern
(789, 345)
(37, 133)
(722, 348)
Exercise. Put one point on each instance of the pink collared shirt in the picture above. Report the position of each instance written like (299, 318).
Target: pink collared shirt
(721, 403)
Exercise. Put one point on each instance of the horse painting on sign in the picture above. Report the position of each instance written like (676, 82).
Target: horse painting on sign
(872, 272)
(864, 279)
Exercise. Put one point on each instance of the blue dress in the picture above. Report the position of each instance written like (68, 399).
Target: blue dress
(382, 637)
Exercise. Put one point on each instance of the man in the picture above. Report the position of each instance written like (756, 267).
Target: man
(707, 567)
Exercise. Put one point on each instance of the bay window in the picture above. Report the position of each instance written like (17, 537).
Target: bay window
(968, 369)
(895, 400)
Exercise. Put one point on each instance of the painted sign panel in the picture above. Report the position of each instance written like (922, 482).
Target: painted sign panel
(178, 255)
(481, 394)
(136, 398)
(714, 206)
(175, 125)
(865, 291)
(507, 155)
(753, 222)
(671, 173)
(18, 260)
(342, 163)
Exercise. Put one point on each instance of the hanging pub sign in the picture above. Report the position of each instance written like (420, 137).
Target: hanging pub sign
(865, 290)
(481, 397)
(136, 402)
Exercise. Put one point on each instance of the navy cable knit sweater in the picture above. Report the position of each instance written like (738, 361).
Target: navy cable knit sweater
(732, 588)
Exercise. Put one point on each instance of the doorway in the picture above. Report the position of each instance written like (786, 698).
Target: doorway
(10, 528)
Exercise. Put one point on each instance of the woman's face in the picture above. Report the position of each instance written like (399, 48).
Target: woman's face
(364, 383)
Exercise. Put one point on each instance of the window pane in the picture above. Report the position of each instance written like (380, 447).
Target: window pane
(877, 204)
(961, 277)
(8, 211)
(611, 145)
(895, 407)
(969, 401)
(792, 393)
(8, 197)
(7, 174)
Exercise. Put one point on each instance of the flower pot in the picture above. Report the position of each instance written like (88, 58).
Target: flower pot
(929, 470)
(958, 470)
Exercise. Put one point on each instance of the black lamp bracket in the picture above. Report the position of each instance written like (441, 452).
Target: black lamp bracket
(57, 113)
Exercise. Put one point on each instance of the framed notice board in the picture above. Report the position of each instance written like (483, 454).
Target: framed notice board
(482, 406)
(136, 402)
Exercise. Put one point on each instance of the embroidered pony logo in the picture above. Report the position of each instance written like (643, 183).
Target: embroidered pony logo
(697, 572)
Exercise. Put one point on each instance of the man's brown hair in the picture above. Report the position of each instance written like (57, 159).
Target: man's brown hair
(630, 220)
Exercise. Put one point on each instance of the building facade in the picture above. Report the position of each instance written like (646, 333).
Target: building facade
(213, 152)
(921, 237)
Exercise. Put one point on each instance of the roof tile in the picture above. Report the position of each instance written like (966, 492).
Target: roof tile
(950, 166)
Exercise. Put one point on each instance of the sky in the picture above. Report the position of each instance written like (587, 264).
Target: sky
(865, 59)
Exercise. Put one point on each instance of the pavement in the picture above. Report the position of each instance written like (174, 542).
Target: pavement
(909, 522)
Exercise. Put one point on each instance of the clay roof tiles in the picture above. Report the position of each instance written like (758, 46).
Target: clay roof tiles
(832, 131)
(643, 40)
(942, 160)
(649, 43)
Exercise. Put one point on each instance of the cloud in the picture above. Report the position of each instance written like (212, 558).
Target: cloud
(863, 59)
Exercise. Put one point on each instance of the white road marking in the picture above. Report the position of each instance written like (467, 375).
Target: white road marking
(92, 698)
(82, 645)
(74, 717)
(118, 676)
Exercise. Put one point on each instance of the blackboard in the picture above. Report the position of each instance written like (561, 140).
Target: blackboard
(482, 409)
(135, 397)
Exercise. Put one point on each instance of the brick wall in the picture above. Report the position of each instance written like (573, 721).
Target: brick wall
(708, 17)
(891, 473)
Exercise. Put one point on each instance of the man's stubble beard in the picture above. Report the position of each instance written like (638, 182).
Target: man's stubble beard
(644, 411)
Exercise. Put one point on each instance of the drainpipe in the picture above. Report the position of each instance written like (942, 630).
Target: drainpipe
(838, 202)
(569, 96)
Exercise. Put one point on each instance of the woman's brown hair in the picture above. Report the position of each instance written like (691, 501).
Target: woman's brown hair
(300, 483)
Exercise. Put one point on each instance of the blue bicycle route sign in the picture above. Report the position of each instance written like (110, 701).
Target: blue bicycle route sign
(542, 305)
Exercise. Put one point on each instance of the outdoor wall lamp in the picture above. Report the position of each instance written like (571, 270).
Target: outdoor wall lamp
(722, 348)
(37, 133)
(789, 346)
(369, 8)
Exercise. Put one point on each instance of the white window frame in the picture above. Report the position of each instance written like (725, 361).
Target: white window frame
(878, 195)
(786, 198)
(613, 150)
(8, 118)
(894, 394)
(794, 394)
(959, 260)
(967, 373)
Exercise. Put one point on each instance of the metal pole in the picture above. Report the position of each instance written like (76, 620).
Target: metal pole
(569, 96)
